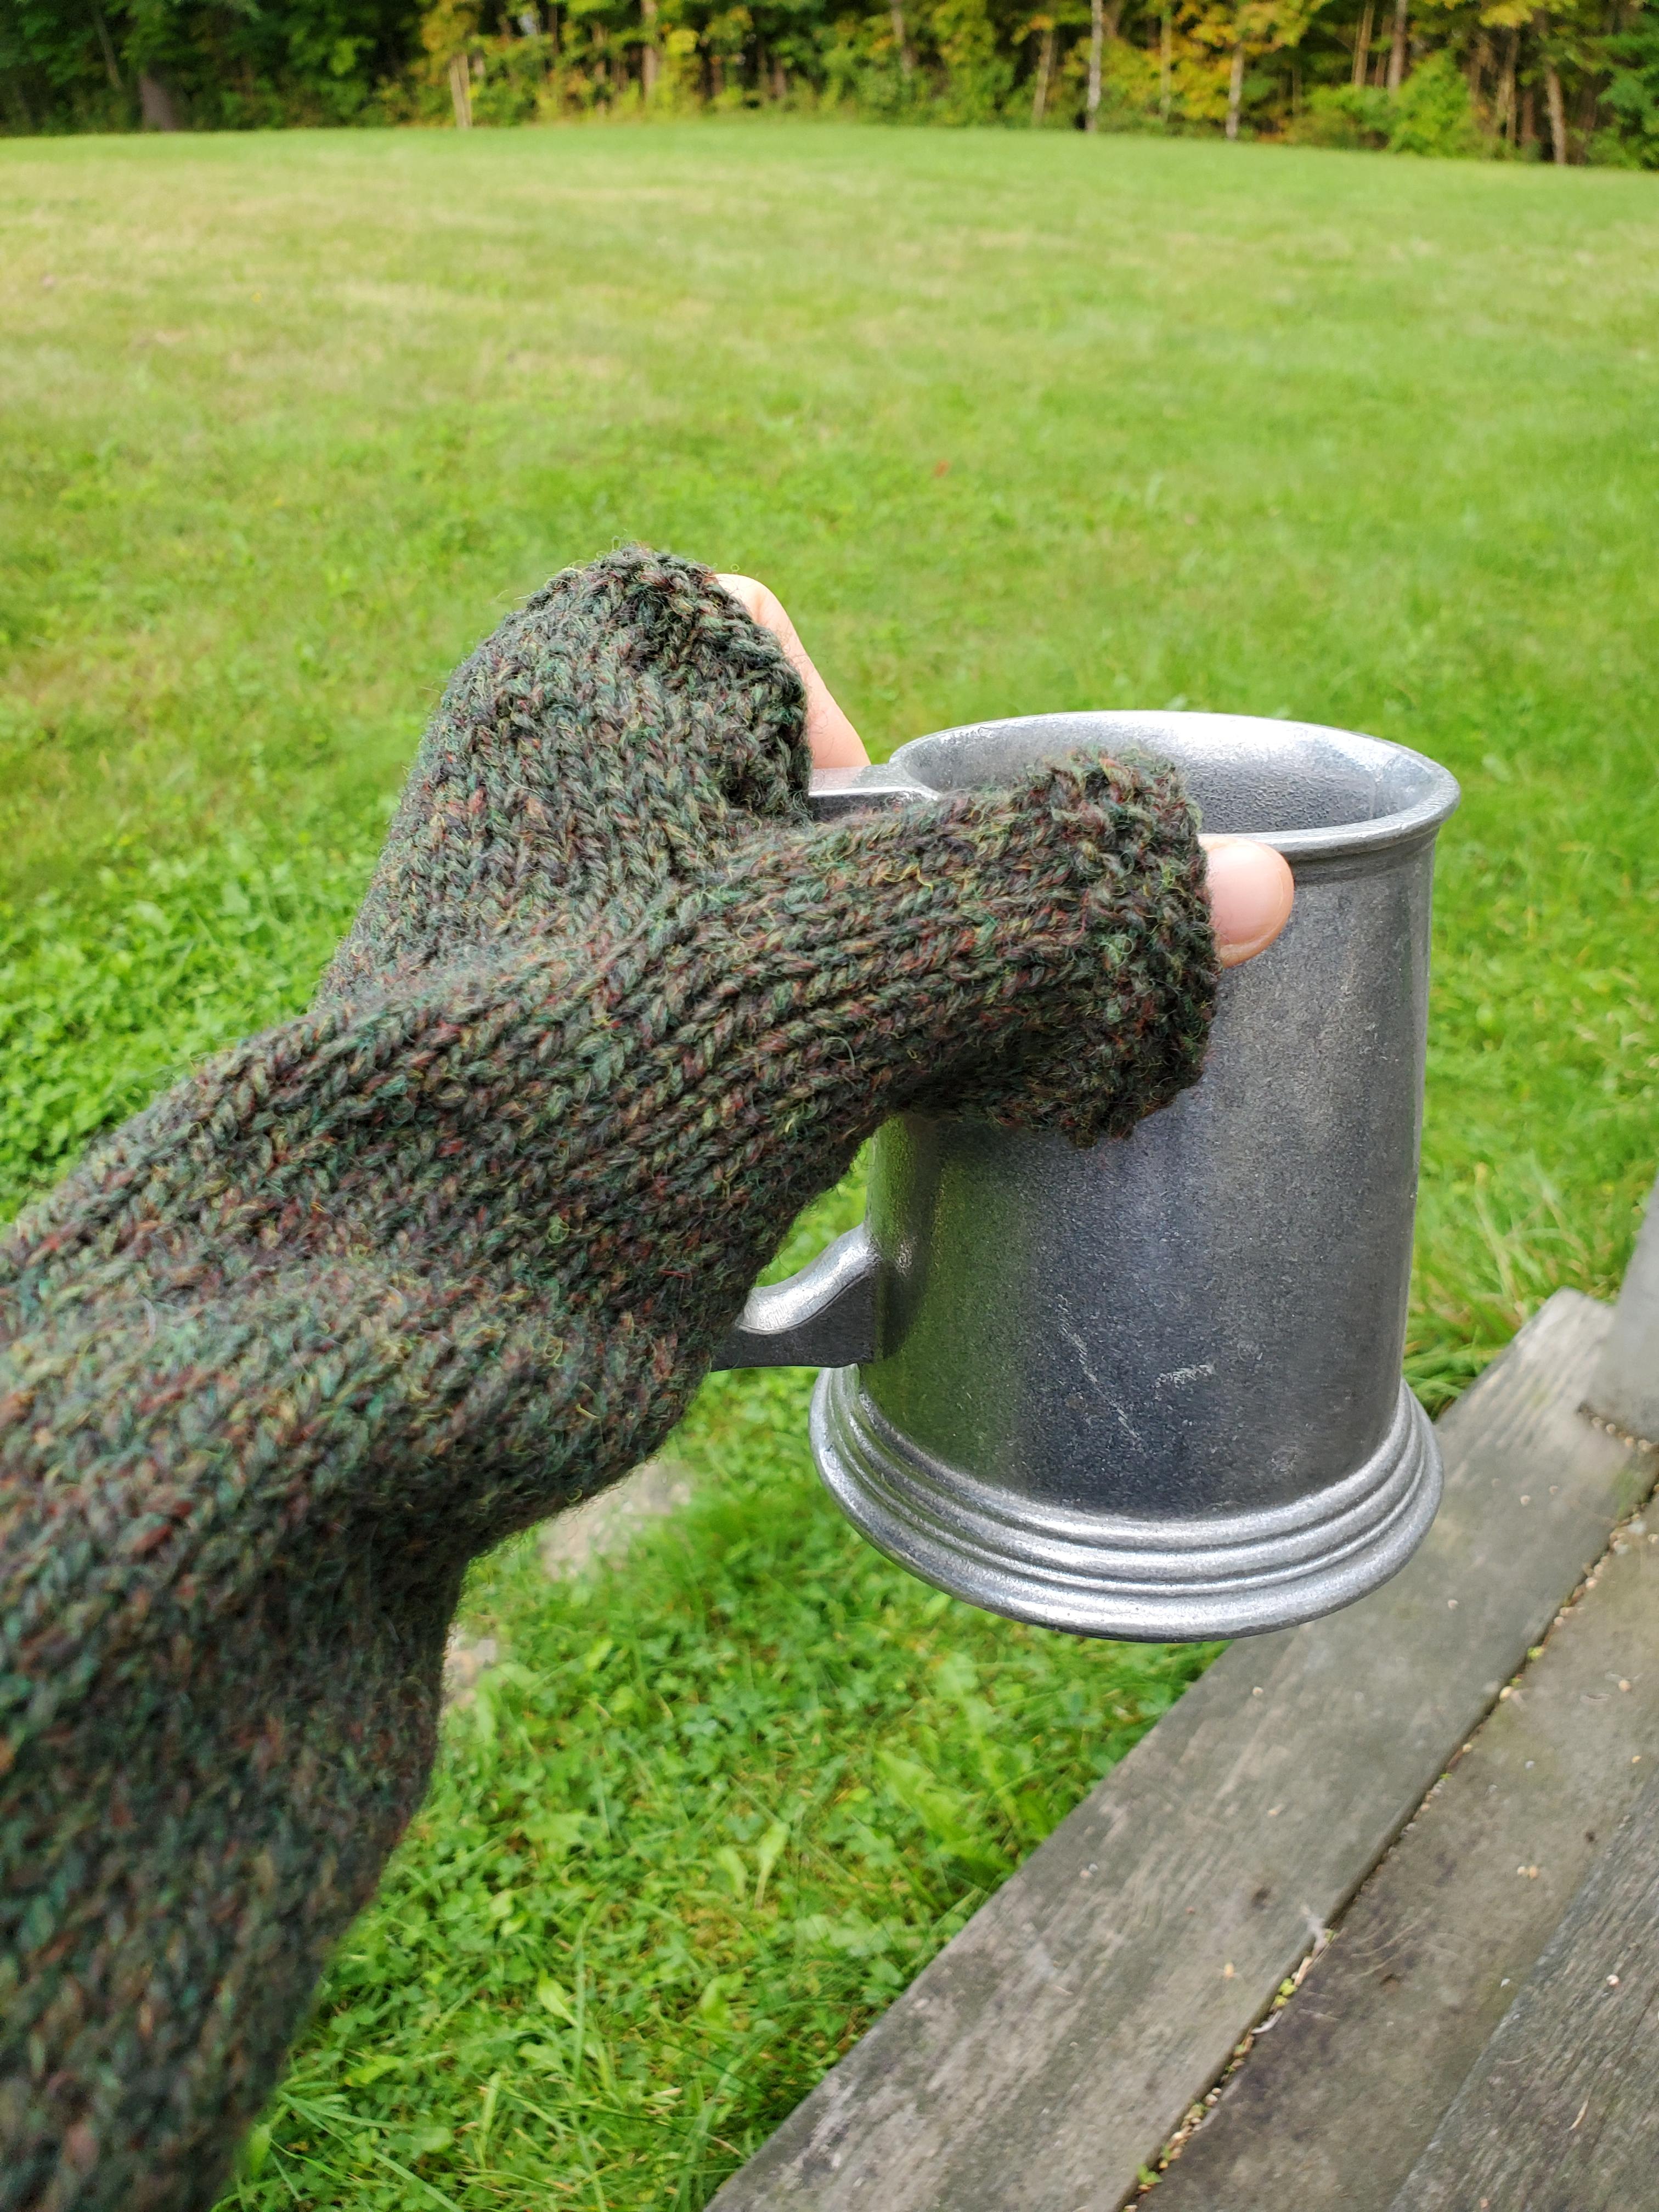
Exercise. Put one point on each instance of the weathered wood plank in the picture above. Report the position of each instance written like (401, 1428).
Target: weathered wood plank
(1053, 2047)
(1625, 1387)
(1560, 2111)
(1338, 2100)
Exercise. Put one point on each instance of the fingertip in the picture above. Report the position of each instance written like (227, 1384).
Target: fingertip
(1251, 893)
(834, 742)
(753, 597)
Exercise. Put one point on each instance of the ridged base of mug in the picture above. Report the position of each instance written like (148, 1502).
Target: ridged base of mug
(1099, 1574)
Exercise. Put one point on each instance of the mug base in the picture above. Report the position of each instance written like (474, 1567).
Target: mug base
(1178, 1580)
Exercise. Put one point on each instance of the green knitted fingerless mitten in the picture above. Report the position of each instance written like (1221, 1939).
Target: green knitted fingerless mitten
(374, 1289)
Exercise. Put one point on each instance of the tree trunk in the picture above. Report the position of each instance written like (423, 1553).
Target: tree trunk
(461, 92)
(1397, 51)
(157, 104)
(906, 53)
(17, 106)
(1236, 89)
(650, 59)
(1045, 71)
(1528, 118)
(1558, 113)
(1479, 57)
(1166, 65)
(104, 46)
(1104, 16)
(1553, 101)
(780, 83)
(1362, 44)
(1504, 117)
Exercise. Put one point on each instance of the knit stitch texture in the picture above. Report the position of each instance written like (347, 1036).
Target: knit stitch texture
(371, 1291)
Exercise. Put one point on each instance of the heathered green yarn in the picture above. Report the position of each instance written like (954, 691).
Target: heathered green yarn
(374, 1289)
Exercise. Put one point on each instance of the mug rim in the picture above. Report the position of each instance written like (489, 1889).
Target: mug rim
(1409, 824)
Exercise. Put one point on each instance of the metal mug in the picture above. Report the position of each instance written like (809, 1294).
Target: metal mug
(1153, 1389)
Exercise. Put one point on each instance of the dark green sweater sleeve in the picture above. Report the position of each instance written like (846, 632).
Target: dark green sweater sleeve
(450, 1251)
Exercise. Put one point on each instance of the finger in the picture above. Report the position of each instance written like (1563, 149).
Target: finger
(834, 742)
(1251, 888)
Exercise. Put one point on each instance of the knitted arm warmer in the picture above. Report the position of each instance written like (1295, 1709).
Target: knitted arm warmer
(451, 1250)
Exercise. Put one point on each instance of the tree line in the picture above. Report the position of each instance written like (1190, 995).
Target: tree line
(1573, 80)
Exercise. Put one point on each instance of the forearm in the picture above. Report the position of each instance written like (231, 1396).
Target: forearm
(220, 1696)
(234, 1532)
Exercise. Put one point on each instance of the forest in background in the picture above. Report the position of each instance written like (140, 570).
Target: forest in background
(1577, 80)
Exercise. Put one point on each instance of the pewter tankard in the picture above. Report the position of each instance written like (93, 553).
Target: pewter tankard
(1153, 1389)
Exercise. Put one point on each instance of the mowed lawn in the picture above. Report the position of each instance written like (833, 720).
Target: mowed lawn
(1012, 423)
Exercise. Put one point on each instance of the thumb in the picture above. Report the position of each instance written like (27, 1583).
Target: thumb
(1251, 888)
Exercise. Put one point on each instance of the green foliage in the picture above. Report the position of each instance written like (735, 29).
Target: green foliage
(214, 66)
(1308, 76)
(1632, 98)
(978, 79)
(293, 418)
(1343, 115)
(1431, 112)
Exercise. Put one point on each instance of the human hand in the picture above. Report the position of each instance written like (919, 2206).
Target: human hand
(1251, 886)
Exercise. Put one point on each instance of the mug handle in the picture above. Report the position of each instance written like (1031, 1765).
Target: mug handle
(825, 1315)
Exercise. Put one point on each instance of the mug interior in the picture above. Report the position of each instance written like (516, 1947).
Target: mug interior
(1302, 787)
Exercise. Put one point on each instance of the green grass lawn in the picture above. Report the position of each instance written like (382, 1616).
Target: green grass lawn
(1012, 423)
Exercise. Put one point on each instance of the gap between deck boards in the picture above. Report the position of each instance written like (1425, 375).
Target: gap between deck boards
(1345, 2083)
(1057, 2042)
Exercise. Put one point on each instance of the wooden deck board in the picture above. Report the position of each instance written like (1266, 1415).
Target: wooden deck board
(1336, 2103)
(1052, 2047)
(1560, 2111)
(1625, 1387)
